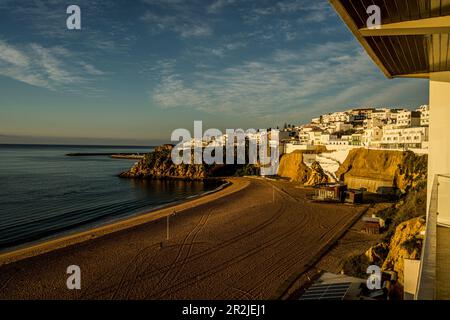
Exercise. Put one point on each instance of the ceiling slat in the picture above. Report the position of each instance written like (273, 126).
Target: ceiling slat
(445, 7)
(443, 52)
(404, 49)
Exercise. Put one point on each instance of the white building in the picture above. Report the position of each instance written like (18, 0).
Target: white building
(291, 147)
(373, 122)
(424, 115)
(315, 120)
(408, 119)
(338, 144)
(397, 138)
(335, 117)
(372, 137)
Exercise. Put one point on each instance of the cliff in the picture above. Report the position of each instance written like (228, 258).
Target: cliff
(293, 167)
(317, 175)
(405, 244)
(159, 165)
(378, 169)
(403, 240)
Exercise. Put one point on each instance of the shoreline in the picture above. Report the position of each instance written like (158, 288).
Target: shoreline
(231, 186)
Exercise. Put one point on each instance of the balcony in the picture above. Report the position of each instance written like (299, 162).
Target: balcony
(434, 275)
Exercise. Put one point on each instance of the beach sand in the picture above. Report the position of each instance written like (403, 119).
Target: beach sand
(244, 242)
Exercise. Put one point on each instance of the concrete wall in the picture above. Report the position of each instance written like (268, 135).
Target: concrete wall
(289, 148)
(372, 185)
(444, 200)
(439, 145)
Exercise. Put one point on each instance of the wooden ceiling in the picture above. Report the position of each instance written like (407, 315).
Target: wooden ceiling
(414, 36)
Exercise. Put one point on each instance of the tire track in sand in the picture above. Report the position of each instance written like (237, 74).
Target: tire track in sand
(189, 243)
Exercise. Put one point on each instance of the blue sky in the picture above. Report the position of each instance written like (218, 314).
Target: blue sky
(140, 69)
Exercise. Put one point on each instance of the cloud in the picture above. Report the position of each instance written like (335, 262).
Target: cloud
(228, 60)
(12, 56)
(288, 83)
(180, 17)
(54, 68)
(184, 26)
(218, 5)
(51, 65)
(318, 78)
(307, 10)
(46, 19)
(173, 93)
(188, 30)
(90, 69)
(317, 16)
(221, 50)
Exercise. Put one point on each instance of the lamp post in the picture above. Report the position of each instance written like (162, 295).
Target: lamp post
(168, 225)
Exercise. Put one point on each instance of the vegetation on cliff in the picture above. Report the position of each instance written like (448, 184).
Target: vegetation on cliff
(410, 206)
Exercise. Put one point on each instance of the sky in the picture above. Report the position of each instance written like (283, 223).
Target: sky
(137, 70)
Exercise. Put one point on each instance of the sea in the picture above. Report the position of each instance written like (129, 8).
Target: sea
(45, 194)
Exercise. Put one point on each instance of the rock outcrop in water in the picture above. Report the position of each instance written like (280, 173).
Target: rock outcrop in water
(378, 169)
(159, 165)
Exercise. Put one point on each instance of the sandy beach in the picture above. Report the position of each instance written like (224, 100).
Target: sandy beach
(243, 242)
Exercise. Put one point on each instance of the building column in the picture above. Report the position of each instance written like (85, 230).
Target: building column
(439, 142)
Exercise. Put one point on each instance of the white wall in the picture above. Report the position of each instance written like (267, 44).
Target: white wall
(289, 148)
(439, 144)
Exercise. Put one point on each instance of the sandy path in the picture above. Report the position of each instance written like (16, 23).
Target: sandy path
(240, 246)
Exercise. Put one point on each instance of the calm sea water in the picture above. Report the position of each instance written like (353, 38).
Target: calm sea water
(44, 193)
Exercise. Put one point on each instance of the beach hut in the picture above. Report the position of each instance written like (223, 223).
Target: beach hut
(354, 196)
(334, 192)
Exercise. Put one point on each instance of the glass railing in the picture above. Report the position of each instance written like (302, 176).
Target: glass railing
(438, 214)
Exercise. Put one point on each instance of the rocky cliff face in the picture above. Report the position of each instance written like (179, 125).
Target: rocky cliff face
(159, 165)
(405, 244)
(317, 175)
(293, 167)
(375, 169)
